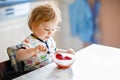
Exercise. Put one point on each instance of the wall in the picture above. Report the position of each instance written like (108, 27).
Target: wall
(12, 28)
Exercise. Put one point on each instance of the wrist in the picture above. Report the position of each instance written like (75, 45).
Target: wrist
(34, 51)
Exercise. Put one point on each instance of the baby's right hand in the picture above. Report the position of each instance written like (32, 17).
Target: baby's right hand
(41, 48)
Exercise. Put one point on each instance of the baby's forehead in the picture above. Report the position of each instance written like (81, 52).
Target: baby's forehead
(49, 24)
(50, 27)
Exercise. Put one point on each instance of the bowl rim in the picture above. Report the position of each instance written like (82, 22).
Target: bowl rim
(59, 62)
(64, 54)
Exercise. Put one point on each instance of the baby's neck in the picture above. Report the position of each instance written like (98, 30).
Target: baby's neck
(35, 36)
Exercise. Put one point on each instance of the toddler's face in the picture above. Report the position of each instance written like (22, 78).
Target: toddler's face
(45, 30)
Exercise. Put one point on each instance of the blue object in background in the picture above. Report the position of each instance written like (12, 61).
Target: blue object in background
(4, 3)
(82, 20)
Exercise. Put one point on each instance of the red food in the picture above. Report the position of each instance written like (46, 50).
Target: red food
(60, 57)
(67, 58)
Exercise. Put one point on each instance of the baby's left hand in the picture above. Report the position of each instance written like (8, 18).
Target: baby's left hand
(71, 51)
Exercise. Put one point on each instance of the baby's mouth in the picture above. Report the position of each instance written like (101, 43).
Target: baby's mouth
(47, 37)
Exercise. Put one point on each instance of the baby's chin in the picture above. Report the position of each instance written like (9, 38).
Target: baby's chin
(47, 38)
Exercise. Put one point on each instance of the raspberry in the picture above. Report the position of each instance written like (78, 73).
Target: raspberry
(59, 56)
(67, 58)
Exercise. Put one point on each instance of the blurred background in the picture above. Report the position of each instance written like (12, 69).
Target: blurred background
(84, 22)
(89, 21)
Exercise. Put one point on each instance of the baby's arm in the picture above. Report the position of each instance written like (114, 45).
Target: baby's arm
(24, 54)
(71, 51)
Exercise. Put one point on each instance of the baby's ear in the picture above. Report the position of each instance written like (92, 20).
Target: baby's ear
(34, 25)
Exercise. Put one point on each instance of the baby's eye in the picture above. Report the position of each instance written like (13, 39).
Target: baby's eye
(53, 29)
(46, 29)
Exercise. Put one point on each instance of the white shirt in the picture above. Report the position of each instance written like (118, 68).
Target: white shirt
(40, 59)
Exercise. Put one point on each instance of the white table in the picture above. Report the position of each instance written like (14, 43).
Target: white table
(95, 62)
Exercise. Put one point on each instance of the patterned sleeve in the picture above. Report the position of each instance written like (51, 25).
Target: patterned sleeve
(25, 44)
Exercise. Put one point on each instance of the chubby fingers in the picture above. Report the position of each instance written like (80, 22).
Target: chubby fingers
(41, 48)
(71, 51)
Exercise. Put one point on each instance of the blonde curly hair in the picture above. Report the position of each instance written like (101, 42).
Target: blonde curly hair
(46, 11)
